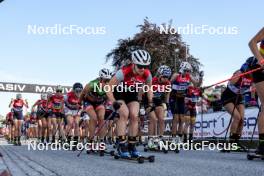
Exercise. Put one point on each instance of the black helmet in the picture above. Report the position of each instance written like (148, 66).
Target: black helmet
(77, 86)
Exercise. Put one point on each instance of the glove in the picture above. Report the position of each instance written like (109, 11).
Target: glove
(116, 105)
(150, 108)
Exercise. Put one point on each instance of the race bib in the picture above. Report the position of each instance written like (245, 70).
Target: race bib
(177, 87)
(57, 105)
(194, 99)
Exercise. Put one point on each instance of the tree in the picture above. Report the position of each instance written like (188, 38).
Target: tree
(164, 48)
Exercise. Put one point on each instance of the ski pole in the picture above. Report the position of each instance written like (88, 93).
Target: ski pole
(233, 77)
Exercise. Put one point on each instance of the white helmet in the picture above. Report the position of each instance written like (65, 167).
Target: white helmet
(164, 70)
(59, 88)
(18, 96)
(44, 97)
(185, 66)
(141, 57)
(105, 74)
(49, 94)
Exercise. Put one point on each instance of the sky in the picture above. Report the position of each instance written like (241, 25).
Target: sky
(65, 59)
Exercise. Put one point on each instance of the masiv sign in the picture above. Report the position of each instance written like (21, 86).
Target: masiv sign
(30, 88)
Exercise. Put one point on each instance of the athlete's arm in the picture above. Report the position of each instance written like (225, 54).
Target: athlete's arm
(234, 80)
(254, 47)
(113, 82)
(167, 97)
(119, 77)
(25, 103)
(35, 104)
(84, 92)
(48, 102)
(174, 77)
(65, 99)
(196, 83)
(11, 103)
(149, 92)
(63, 103)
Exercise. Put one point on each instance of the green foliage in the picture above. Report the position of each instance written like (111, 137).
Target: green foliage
(164, 48)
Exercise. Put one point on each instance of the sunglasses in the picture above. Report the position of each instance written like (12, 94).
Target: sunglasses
(165, 77)
(78, 90)
(59, 91)
(142, 66)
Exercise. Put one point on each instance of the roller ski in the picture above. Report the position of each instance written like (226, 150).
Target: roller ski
(259, 153)
(239, 148)
(139, 159)
(130, 153)
(251, 156)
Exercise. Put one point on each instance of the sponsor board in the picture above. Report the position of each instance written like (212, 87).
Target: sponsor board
(30, 88)
(215, 124)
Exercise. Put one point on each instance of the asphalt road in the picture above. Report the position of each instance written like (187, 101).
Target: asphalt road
(20, 161)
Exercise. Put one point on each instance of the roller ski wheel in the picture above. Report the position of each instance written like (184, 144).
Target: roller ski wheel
(165, 151)
(177, 151)
(224, 151)
(101, 153)
(112, 153)
(140, 159)
(251, 156)
(116, 156)
(150, 158)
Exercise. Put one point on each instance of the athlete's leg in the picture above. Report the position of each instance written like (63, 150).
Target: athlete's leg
(159, 111)
(186, 125)
(92, 122)
(152, 124)
(175, 123)
(123, 118)
(260, 92)
(100, 111)
(236, 118)
(69, 127)
(133, 118)
(241, 110)
(54, 128)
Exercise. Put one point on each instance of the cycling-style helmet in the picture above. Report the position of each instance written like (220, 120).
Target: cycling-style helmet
(18, 96)
(164, 70)
(77, 87)
(44, 97)
(141, 57)
(105, 74)
(59, 88)
(185, 66)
